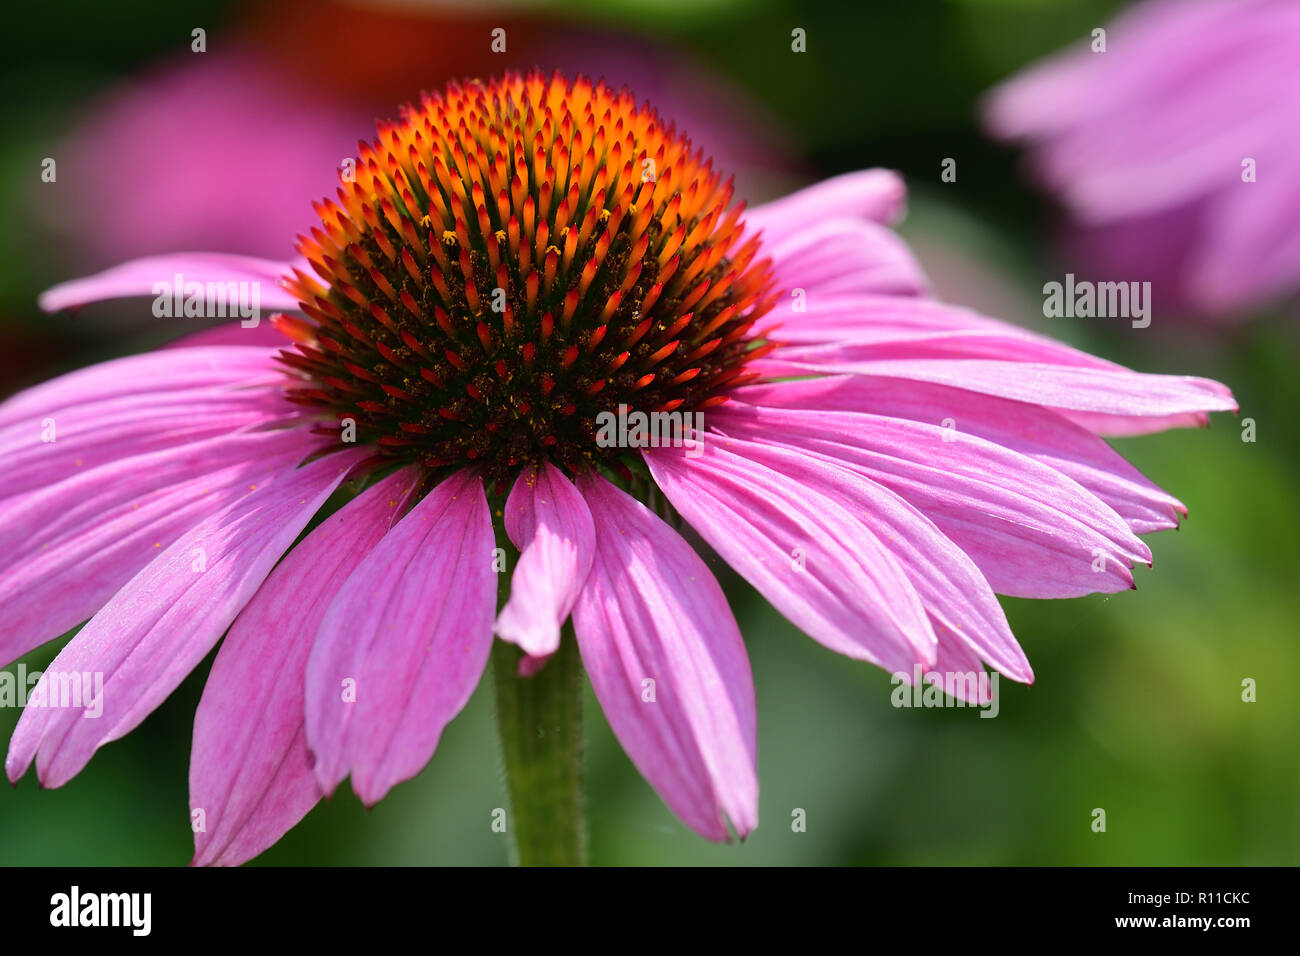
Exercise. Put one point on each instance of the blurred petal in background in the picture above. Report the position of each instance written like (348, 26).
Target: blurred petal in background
(1174, 149)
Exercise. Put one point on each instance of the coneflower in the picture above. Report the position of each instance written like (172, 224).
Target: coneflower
(504, 266)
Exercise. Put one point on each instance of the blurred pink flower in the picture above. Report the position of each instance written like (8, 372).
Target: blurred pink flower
(1151, 146)
(223, 151)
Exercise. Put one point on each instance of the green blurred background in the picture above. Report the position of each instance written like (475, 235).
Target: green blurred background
(1137, 707)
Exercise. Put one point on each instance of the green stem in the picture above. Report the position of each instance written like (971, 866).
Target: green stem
(540, 722)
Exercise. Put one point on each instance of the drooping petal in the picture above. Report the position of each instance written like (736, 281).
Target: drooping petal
(404, 643)
(668, 665)
(1032, 531)
(548, 521)
(142, 277)
(66, 550)
(1042, 434)
(959, 670)
(154, 631)
(814, 561)
(958, 600)
(250, 771)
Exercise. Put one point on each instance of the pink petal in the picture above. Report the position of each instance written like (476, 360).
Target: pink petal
(250, 770)
(548, 522)
(264, 335)
(142, 377)
(1118, 426)
(530, 666)
(1256, 247)
(1032, 531)
(960, 604)
(102, 432)
(832, 319)
(959, 671)
(1168, 136)
(668, 665)
(877, 195)
(66, 550)
(1145, 142)
(1115, 393)
(156, 629)
(840, 257)
(410, 633)
(1003, 345)
(139, 277)
(1075, 84)
(813, 560)
(1040, 433)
